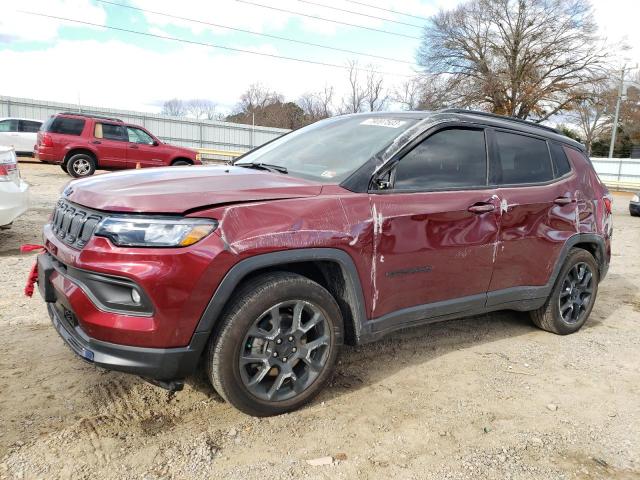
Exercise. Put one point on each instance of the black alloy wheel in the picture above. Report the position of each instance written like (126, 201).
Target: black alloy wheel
(285, 350)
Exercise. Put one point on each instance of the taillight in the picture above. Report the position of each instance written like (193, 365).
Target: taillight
(47, 141)
(8, 172)
(608, 203)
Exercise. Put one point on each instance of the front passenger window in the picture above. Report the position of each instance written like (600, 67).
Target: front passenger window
(451, 158)
(139, 136)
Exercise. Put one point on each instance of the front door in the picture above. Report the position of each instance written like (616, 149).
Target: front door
(435, 229)
(142, 149)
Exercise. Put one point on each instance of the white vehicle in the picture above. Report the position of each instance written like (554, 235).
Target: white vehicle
(19, 133)
(14, 192)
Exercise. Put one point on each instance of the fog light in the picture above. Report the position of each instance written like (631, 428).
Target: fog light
(135, 296)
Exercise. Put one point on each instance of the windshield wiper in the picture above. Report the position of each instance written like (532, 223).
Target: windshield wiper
(264, 166)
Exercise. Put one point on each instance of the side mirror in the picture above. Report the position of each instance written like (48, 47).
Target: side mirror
(155, 143)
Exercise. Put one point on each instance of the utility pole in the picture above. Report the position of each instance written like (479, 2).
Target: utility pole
(253, 129)
(617, 114)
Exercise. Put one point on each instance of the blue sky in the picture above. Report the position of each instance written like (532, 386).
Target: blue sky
(63, 61)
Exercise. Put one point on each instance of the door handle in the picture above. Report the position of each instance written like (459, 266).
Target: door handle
(481, 208)
(96, 142)
(133, 146)
(563, 201)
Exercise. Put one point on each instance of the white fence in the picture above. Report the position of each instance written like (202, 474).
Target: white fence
(187, 132)
(618, 173)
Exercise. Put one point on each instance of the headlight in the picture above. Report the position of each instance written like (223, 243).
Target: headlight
(155, 232)
(198, 157)
(635, 199)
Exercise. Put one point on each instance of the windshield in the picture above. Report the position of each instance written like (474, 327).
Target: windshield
(330, 150)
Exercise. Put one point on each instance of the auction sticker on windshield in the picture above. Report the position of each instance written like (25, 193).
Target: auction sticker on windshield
(384, 122)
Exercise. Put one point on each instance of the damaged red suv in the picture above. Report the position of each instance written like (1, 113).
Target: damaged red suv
(340, 232)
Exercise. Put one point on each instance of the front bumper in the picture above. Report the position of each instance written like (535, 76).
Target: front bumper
(163, 364)
(14, 201)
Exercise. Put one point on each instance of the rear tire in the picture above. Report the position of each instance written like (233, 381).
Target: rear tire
(262, 360)
(81, 165)
(573, 295)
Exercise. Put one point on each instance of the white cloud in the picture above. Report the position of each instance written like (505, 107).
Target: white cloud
(18, 26)
(252, 17)
(131, 77)
(618, 22)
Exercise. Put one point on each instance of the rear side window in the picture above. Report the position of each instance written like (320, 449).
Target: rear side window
(561, 164)
(109, 131)
(65, 125)
(29, 126)
(452, 158)
(523, 159)
(8, 126)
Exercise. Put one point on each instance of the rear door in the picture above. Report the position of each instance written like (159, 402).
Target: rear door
(435, 228)
(142, 149)
(27, 134)
(538, 210)
(111, 141)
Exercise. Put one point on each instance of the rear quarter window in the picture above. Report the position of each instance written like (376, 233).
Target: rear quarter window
(522, 159)
(65, 126)
(561, 164)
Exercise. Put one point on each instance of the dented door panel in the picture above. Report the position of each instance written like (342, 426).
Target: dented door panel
(429, 247)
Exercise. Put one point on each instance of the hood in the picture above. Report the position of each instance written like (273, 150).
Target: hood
(176, 190)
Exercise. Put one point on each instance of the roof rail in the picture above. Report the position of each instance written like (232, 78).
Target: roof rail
(500, 117)
(80, 114)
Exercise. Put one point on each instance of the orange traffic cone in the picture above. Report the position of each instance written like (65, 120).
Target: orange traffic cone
(138, 165)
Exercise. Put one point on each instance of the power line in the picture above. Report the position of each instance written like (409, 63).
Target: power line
(387, 9)
(360, 13)
(202, 22)
(329, 20)
(212, 45)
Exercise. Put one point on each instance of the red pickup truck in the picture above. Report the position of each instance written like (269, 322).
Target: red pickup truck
(81, 143)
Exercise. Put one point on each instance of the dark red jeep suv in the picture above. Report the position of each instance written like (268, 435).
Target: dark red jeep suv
(339, 232)
(81, 143)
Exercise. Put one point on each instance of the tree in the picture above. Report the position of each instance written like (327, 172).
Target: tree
(426, 92)
(592, 115)
(317, 105)
(375, 96)
(354, 100)
(524, 58)
(257, 96)
(203, 108)
(174, 107)
(267, 108)
(408, 94)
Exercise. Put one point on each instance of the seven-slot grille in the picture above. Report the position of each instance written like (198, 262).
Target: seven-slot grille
(73, 224)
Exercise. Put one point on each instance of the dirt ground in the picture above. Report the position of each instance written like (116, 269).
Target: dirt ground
(483, 397)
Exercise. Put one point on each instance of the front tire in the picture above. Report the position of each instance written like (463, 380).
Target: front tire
(277, 344)
(63, 166)
(572, 297)
(81, 165)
